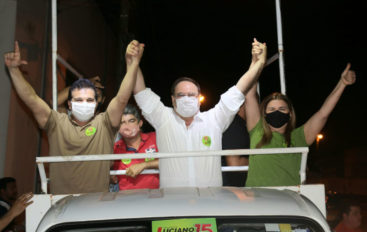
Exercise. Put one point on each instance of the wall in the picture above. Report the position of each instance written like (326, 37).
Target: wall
(7, 28)
(82, 34)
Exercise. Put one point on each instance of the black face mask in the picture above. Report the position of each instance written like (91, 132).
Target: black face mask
(277, 119)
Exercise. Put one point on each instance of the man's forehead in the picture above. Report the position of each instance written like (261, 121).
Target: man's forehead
(128, 117)
(83, 92)
(186, 86)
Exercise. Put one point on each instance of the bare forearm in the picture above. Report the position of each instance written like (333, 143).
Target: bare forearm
(236, 160)
(252, 108)
(250, 77)
(6, 219)
(40, 109)
(128, 83)
(315, 124)
(62, 96)
(118, 103)
(333, 98)
(22, 87)
(152, 164)
(140, 83)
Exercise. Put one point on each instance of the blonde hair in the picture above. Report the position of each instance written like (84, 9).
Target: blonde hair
(267, 136)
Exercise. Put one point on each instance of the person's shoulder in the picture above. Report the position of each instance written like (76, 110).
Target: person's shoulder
(340, 227)
(149, 135)
(119, 146)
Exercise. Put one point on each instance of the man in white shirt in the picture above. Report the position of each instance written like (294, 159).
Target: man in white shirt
(184, 128)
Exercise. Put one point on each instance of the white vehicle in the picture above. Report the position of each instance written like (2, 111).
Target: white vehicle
(297, 209)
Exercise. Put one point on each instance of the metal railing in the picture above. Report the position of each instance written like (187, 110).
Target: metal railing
(161, 155)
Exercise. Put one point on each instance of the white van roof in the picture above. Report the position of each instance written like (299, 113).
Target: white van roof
(180, 203)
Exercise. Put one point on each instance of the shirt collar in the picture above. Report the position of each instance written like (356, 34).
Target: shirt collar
(198, 116)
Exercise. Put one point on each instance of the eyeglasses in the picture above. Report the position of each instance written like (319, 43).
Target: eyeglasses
(179, 95)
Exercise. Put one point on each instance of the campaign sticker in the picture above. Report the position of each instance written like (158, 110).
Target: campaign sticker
(186, 224)
(285, 228)
(90, 131)
(126, 161)
(206, 141)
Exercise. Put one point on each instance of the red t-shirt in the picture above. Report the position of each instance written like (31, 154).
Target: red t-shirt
(342, 228)
(147, 145)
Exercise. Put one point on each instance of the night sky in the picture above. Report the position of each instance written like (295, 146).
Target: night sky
(210, 41)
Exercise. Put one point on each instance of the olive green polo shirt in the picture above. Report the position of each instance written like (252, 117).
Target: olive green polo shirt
(66, 138)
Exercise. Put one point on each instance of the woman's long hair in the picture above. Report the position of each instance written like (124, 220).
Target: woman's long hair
(267, 131)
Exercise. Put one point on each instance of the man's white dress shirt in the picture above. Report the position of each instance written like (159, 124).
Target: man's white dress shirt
(203, 134)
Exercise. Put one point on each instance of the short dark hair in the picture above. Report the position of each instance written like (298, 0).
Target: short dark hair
(82, 84)
(5, 181)
(131, 109)
(181, 79)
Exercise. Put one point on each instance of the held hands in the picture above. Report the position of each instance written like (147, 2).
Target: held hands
(348, 76)
(134, 52)
(259, 51)
(135, 169)
(12, 59)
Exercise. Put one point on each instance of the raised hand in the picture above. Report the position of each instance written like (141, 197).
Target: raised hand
(134, 52)
(348, 76)
(21, 203)
(13, 59)
(258, 51)
(97, 82)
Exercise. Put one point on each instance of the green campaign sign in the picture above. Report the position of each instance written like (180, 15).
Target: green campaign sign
(185, 225)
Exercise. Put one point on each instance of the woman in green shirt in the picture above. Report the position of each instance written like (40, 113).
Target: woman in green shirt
(272, 125)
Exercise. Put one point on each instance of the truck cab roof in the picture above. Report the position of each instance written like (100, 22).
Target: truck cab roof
(229, 208)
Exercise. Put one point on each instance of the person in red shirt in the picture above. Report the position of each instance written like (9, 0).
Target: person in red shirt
(132, 140)
(351, 218)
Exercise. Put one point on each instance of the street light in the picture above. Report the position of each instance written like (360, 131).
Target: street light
(318, 138)
(201, 98)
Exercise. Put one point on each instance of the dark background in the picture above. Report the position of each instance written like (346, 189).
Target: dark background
(210, 41)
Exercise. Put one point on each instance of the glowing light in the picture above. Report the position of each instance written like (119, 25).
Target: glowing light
(318, 138)
(201, 98)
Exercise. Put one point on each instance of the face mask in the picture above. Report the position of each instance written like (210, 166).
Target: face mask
(83, 111)
(129, 133)
(277, 119)
(187, 106)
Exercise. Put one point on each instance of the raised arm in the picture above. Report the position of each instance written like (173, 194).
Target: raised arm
(250, 77)
(314, 125)
(39, 107)
(252, 107)
(140, 83)
(134, 53)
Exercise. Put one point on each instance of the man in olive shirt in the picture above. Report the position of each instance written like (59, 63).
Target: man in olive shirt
(83, 132)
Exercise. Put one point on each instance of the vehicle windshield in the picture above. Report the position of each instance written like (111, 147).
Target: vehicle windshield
(211, 224)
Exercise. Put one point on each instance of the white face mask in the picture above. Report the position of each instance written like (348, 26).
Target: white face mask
(187, 106)
(83, 111)
(128, 133)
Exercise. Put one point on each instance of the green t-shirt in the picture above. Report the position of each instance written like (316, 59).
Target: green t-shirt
(277, 169)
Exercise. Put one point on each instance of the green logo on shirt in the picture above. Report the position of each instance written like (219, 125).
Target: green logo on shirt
(126, 161)
(90, 131)
(206, 141)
